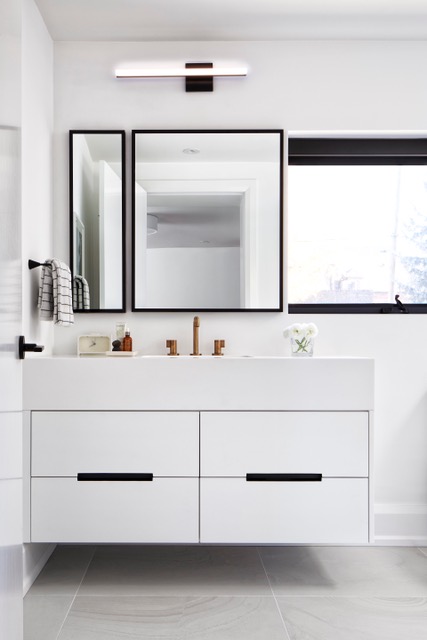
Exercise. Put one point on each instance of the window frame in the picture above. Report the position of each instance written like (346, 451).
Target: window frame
(311, 151)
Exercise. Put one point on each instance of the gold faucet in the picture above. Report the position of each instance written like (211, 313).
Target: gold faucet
(196, 326)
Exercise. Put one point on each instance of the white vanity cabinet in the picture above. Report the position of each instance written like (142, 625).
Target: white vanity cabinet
(226, 450)
(114, 476)
(273, 477)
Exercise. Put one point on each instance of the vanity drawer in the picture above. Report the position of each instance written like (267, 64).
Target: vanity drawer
(162, 511)
(65, 443)
(331, 443)
(332, 511)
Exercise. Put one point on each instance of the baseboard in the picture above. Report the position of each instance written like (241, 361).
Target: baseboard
(401, 524)
(35, 558)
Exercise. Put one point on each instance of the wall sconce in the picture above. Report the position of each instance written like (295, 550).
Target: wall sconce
(198, 75)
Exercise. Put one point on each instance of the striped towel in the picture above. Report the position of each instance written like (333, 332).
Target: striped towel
(55, 295)
(81, 296)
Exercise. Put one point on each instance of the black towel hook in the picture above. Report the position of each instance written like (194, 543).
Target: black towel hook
(33, 264)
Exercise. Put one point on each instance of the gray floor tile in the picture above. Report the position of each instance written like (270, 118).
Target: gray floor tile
(332, 618)
(232, 618)
(354, 571)
(127, 617)
(223, 593)
(150, 617)
(44, 615)
(64, 570)
(186, 570)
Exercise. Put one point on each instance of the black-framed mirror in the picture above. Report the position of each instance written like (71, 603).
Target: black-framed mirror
(207, 220)
(97, 220)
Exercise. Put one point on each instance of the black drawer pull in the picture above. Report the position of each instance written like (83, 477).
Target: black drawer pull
(284, 477)
(114, 477)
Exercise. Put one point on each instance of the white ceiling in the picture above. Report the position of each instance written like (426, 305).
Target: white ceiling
(147, 20)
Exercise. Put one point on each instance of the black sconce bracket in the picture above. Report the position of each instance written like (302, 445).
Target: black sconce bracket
(199, 83)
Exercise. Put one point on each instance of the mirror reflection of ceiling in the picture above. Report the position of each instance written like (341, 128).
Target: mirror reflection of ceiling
(106, 148)
(195, 220)
(205, 147)
(102, 147)
(150, 20)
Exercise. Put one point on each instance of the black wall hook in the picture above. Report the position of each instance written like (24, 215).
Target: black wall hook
(33, 264)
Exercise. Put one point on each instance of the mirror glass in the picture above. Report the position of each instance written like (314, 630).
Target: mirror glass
(207, 220)
(97, 210)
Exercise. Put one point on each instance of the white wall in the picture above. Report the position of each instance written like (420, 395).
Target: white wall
(362, 86)
(178, 277)
(37, 210)
(37, 181)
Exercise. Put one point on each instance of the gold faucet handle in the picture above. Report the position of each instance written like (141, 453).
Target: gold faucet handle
(218, 346)
(172, 345)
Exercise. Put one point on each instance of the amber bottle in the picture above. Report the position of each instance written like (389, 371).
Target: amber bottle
(127, 342)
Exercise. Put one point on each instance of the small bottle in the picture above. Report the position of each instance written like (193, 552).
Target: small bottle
(120, 334)
(127, 341)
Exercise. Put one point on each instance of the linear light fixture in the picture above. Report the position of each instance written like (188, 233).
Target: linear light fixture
(199, 75)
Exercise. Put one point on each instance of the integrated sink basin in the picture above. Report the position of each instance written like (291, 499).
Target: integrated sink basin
(216, 383)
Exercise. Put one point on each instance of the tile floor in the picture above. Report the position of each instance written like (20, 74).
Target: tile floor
(229, 593)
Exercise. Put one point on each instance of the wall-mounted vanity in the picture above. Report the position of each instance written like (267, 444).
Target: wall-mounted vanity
(226, 450)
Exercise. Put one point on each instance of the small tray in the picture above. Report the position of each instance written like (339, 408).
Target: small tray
(121, 354)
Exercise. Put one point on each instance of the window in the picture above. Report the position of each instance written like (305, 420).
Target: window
(357, 225)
